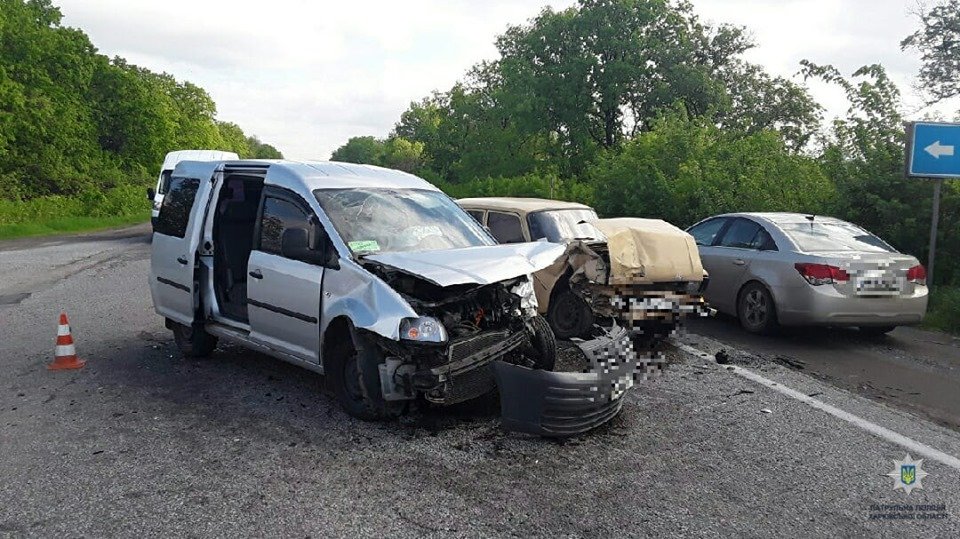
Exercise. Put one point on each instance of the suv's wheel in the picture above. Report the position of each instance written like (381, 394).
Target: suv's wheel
(355, 378)
(756, 309)
(543, 345)
(193, 341)
(569, 315)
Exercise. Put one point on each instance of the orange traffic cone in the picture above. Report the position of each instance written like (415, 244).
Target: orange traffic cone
(65, 356)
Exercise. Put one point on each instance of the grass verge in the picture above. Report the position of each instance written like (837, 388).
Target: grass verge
(87, 211)
(69, 225)
(943, 311)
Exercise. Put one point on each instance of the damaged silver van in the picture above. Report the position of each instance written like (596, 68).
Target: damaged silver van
(371, 276)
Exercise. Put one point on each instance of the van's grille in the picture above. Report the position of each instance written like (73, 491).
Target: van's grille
(466, 347)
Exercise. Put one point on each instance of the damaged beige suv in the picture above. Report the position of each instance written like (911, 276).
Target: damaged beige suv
(643, 274)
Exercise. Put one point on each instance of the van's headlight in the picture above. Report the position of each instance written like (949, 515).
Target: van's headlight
(423, 329)
(528, 298)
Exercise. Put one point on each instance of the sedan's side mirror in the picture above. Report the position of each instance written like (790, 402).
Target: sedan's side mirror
(151, 194)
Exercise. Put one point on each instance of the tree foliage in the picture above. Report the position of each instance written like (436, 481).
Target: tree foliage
(73, 120)
(938, 42)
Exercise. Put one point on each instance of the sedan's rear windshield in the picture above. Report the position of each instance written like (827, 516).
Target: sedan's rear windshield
(373, 220)
(834, 236)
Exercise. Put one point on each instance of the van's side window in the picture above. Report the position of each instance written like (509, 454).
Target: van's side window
(278, 215)
(175, 210)
(505, 227)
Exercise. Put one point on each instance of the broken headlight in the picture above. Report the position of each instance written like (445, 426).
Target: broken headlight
(423, 329)
(528, 299)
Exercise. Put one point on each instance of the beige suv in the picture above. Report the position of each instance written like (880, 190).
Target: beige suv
(643, 274)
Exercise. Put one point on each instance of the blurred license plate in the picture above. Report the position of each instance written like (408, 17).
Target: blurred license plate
(877, 285)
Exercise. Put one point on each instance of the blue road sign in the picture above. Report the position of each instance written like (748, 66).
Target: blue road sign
(934, 150)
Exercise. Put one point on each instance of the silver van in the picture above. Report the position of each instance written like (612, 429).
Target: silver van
(371, 276)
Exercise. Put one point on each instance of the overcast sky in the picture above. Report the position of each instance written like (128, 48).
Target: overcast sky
(305, 76)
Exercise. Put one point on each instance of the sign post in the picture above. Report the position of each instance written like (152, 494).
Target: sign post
(932, 152)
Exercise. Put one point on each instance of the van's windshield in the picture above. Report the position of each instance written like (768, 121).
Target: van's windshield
(372, 220)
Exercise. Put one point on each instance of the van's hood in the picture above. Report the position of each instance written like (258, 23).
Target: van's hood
(473, 265)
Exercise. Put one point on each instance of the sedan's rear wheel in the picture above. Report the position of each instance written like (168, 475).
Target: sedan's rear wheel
(756, 310)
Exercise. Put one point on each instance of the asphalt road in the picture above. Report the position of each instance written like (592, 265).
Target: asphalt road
(142, 442)
(910, 368)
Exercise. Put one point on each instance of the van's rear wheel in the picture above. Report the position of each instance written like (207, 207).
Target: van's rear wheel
(193, 341)
(355, 378)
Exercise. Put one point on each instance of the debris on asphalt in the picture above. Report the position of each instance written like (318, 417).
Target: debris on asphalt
(766, 411)
(722, 357)
(792, 362)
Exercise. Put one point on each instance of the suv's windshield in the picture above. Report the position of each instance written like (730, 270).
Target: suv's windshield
(560, 226)
(374, 220)
(834, 236)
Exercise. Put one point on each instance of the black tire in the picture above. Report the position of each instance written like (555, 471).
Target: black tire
(756, 310)
(543, 345)
(876, 331)
(569, 315)
(193, 341)
(355, 379)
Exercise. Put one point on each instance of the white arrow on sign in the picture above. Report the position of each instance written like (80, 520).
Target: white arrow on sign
(936, 149)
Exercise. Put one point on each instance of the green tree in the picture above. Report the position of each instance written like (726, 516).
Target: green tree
(363, 150)
(864, 156)
(685, 169)
(938, 43)
(262, 150)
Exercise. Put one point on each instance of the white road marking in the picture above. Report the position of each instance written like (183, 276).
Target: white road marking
(881, 432)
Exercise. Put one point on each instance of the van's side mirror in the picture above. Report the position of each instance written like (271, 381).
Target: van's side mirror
(295, 244)
(151, 194)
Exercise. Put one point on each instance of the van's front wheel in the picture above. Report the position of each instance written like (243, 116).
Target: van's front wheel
(355, 378)
(192, 341)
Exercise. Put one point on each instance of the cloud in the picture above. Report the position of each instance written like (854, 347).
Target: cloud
(305, 76)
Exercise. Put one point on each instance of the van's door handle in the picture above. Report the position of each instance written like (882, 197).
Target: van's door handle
(739, 262)
(182, 260)
(256, 274)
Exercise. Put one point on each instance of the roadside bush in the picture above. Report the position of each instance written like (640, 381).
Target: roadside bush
(943, 312)
(529, 185)
(127, 201)
(686, 169)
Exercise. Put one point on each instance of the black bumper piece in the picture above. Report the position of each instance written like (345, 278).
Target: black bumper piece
(562, 404)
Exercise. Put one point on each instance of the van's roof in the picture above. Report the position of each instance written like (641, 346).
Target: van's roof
(314, 175)
(172, 158)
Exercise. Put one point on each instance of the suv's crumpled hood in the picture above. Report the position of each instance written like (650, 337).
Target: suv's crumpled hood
(473, 265)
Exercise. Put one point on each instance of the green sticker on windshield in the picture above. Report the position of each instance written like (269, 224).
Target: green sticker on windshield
(364, 245)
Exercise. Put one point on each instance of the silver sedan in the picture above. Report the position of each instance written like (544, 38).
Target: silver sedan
(771, 269)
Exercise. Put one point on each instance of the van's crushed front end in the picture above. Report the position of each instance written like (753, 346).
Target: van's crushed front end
(474, 306)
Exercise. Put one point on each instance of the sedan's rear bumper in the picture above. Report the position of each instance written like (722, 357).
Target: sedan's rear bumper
(824, 305)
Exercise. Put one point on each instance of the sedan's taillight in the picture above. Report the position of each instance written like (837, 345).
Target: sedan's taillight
(818, 274)
(917, 275)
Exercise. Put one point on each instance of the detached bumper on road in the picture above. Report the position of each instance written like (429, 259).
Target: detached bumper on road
(561, 404)
(823, 305)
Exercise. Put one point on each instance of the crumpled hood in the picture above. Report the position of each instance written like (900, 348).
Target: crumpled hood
(649, 250)
(473, 265)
